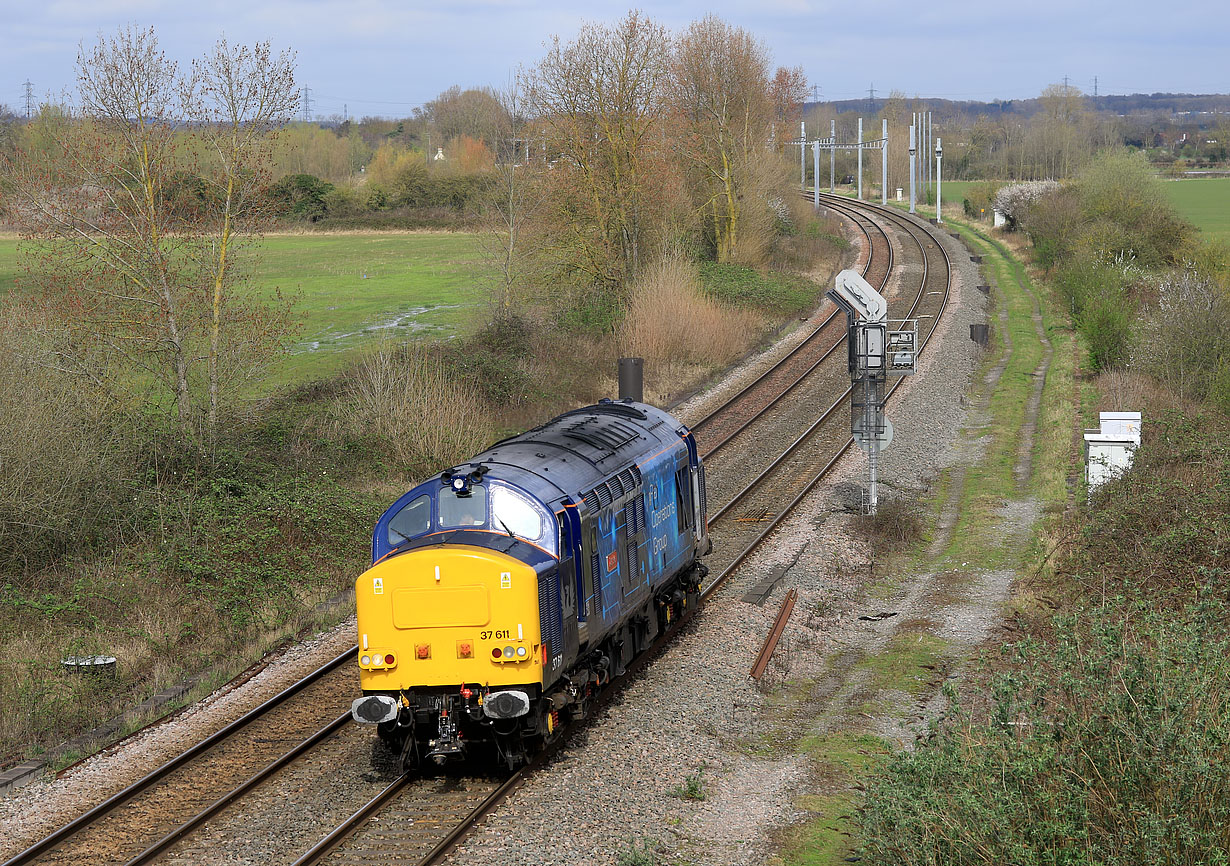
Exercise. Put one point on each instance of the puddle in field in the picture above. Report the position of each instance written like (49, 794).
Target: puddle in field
(405, 322)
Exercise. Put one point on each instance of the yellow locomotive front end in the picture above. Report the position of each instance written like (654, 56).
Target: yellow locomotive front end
(450, 650)
(448, 615)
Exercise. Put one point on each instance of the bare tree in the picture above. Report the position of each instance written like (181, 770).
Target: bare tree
(721, 97)
(239, 97)
(133, 216)
(788, 90)
(514, 200)
(598, 103)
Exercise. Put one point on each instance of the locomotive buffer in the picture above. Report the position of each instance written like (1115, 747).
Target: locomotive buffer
(875, 351)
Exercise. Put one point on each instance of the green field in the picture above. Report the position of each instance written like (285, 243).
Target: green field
(8, 264)
(1205, 201)
(349, 288)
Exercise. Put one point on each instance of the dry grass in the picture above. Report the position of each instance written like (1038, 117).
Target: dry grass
(404, 395)
(671, 324)
(1129, 391)
(159, 630)
(896, 525)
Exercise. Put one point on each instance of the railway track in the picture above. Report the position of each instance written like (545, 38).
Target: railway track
(737, 413)
(424, 818)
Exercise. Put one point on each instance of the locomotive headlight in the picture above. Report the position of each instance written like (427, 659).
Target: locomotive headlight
(377, 659)
(509, 652)
(521, 652)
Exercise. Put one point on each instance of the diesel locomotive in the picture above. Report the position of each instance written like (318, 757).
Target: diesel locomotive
(506, 592)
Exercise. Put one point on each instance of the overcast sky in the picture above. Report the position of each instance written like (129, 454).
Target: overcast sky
(383, 57)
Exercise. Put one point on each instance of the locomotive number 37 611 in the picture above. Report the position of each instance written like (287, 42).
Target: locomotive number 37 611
(502, 633)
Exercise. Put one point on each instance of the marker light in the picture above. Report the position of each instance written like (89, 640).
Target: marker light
(389, 661)
(508, 652)
(521, 652)
(497, 653)
(365, 661)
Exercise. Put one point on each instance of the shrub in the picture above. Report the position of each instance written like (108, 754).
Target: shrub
(66, 471)
(405, 398)
(1185, 336)
(1106, 324)
(301, 195)
(496, 360)
(669, 319)
(1102, 307)
(1107, 748)
(896, 524)
(979, 200)
(1015, 199)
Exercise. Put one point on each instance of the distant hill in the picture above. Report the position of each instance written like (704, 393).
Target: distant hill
(1136, 103)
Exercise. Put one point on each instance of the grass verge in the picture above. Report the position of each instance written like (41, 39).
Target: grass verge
(915, 661)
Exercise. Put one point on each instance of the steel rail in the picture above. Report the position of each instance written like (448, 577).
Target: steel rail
(114, 801)
(774, 635)
(234, 794)
(327, 844)
(858, 221)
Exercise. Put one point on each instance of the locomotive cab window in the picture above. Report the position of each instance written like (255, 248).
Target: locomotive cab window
(519, 515)
(412, 521)
(683, 499)
(463, 510)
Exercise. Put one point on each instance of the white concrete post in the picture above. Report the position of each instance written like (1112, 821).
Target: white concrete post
(815, 157)
(803, 154)
(939, 178)
(884, 160)
(832, 154)
(860, 159)
(913, 152)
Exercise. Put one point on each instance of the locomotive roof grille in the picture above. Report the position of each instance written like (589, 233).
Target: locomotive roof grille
(613, 435)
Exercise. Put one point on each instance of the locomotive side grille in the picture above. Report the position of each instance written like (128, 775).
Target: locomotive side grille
(595, 570)
(550, 613)
(700, 479)
(591, 501)
(603, 494)
(634, 565)
(635, 519)
(616, 485)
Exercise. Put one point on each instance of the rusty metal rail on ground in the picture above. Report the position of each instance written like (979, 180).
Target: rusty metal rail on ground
(775, 634)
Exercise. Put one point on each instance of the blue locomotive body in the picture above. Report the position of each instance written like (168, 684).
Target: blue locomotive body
(606, 505)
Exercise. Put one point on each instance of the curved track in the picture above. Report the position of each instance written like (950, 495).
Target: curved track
(424, 818)
(733, 416)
